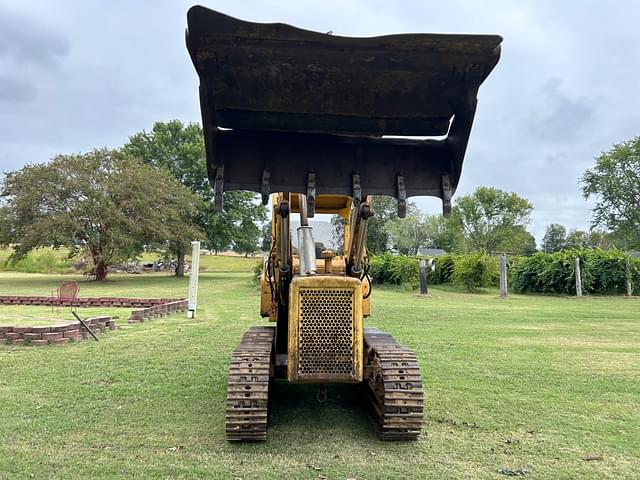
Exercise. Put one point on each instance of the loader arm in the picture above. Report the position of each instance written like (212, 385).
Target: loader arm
(291, 110)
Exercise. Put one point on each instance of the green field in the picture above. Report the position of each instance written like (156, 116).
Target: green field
(530, 382)
(56, 260)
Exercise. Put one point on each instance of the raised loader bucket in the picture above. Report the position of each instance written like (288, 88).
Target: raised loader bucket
(291, 110)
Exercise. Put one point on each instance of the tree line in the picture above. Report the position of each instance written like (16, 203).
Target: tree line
(153, 193)
(110, 205)
(492, 220)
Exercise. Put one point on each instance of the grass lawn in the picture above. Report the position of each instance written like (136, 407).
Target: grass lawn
(530, 382)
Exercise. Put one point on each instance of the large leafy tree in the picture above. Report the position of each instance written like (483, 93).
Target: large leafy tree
(490, 216)
(102, 203)
(444, 233)
(244, 213)
(385, 209)
(410, 233)
(555, 238)
(378, 238)
(337, 234)
(179, 148)
(7, 233)
(418, 230)
(592, 239)
(519, 241)
(615, 183)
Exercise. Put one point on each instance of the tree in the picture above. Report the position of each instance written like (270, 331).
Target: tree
(337, 234)
(103, 203)
(602, 239)
(408, 234)
(385, 209)
(615, 183)
(179, 148)
(488, 217)
(7, 233)
(265, 244)
(244, 213)
(443, 233)
(576, 239)
(519, 241)
(555, 238)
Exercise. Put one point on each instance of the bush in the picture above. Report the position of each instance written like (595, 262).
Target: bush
(443, 272)
(601, 271)
(476, 270)
(394, 269)
(257, 272)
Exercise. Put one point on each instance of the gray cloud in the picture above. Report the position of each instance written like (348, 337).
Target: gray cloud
(566, 118)
(13, 90)
(30, 40)
(564, 90)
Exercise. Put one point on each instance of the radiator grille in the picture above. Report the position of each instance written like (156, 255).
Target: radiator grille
(326, 333)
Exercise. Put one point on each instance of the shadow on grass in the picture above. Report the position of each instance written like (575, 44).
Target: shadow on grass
(295, 408)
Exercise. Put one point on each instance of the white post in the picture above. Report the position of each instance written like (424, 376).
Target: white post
(193, 279)
(503, 275)
(578, 278)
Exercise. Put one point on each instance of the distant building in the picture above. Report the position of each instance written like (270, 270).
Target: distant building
(431, 252)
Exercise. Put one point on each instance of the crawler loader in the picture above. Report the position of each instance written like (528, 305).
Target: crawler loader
(318, 123)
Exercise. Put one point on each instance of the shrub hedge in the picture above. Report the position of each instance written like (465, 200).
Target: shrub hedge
(472, 270)
(394, 269)
(603, 272)
(476, 270)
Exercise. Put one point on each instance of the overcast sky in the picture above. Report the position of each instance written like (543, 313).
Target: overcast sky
(75, 75)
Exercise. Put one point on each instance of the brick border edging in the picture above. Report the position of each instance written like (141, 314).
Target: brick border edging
(55, 334)
(156, 311)
(83, 301)
(62, 333)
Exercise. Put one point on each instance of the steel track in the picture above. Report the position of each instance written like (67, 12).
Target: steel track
(394, 386)
(248, 387)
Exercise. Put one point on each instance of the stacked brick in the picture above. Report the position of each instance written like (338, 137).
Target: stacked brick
(159, 310)
(84, 301)
(55, 334)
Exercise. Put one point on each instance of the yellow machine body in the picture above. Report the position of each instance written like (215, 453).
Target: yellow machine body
(328, 204)
(325, 329)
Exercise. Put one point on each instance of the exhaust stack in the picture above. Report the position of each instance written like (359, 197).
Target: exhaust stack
(306, 245)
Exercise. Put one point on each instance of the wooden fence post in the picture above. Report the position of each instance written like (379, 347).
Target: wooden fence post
(193, 279)
(503, 275)
(423, 277)
(578, 278)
